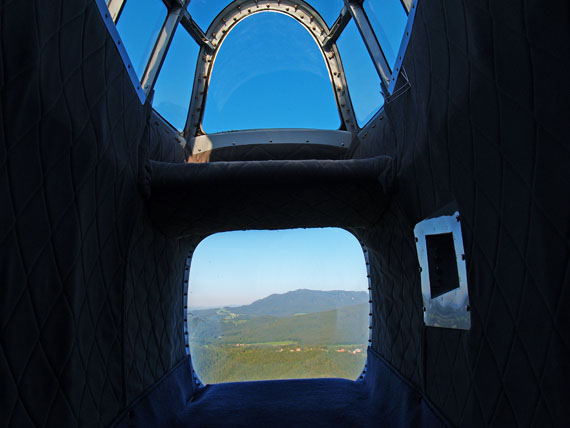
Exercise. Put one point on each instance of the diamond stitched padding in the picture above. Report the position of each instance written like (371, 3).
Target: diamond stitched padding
(71, 220)
(484, 123)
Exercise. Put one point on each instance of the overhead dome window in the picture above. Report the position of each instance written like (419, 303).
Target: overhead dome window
(277, 305)
(269, 73)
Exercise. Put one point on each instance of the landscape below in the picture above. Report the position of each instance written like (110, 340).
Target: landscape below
(299, 334)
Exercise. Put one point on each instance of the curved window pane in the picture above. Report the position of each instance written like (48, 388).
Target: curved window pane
(388, 19)
(203, 12)
(140, 39)
(277, 304)
(173, 88)
(361, 76)
(269, 73)
(328, 9)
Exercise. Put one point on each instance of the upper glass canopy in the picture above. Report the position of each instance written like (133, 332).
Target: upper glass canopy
(204, 11)
(269, 73)
(263, 70)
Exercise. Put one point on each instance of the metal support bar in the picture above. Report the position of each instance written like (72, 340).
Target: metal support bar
(112, 29)
(115, 8)
(196, 32)
(371, 43)
(337, 28)
(223, 24)
(160, 48)
(407, 4)
(173, 3)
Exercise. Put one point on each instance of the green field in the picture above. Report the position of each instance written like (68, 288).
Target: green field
(229, 346)
(231, 363)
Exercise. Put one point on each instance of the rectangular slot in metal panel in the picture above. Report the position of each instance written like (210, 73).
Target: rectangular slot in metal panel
(442, 265)
(443, 272)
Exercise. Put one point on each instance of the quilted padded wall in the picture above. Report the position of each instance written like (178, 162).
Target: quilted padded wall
(75, 247)
(153, 309)
(486, 123)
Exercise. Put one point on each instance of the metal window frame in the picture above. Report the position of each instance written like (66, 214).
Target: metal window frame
(186, 286)
(112, 29)
(388, 77)
(208, 142)
(410, 7)
(238, 10)
(366, 253)
(233, 13)
(371, 42)
(158, 54)
(111, 13)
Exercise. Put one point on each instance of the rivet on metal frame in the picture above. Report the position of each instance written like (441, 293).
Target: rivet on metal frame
(450, 309)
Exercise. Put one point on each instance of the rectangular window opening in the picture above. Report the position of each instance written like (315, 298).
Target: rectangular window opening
(279, 304)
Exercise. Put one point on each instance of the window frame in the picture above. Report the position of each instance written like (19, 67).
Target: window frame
(186, 284)
(211, 41)
(234, 13)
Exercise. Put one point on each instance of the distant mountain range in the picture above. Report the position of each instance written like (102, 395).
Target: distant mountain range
(300, 316)
(300, 301)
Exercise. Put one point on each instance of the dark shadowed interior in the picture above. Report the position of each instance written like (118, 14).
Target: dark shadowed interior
(102, 206)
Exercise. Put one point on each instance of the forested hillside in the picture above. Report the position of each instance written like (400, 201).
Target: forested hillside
(282, 336)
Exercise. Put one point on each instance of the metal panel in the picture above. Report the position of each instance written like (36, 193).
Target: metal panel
(105, 14)
(450, 310)
(205, 143)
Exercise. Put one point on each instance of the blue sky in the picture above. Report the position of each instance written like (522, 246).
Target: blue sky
(234, 268)
(269, 73)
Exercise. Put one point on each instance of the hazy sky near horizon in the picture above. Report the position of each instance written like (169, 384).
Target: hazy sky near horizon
(236, 268)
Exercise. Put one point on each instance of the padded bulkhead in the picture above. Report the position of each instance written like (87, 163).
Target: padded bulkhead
(91, 302)
(486, 123)
(273, 151)
(205, 198)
